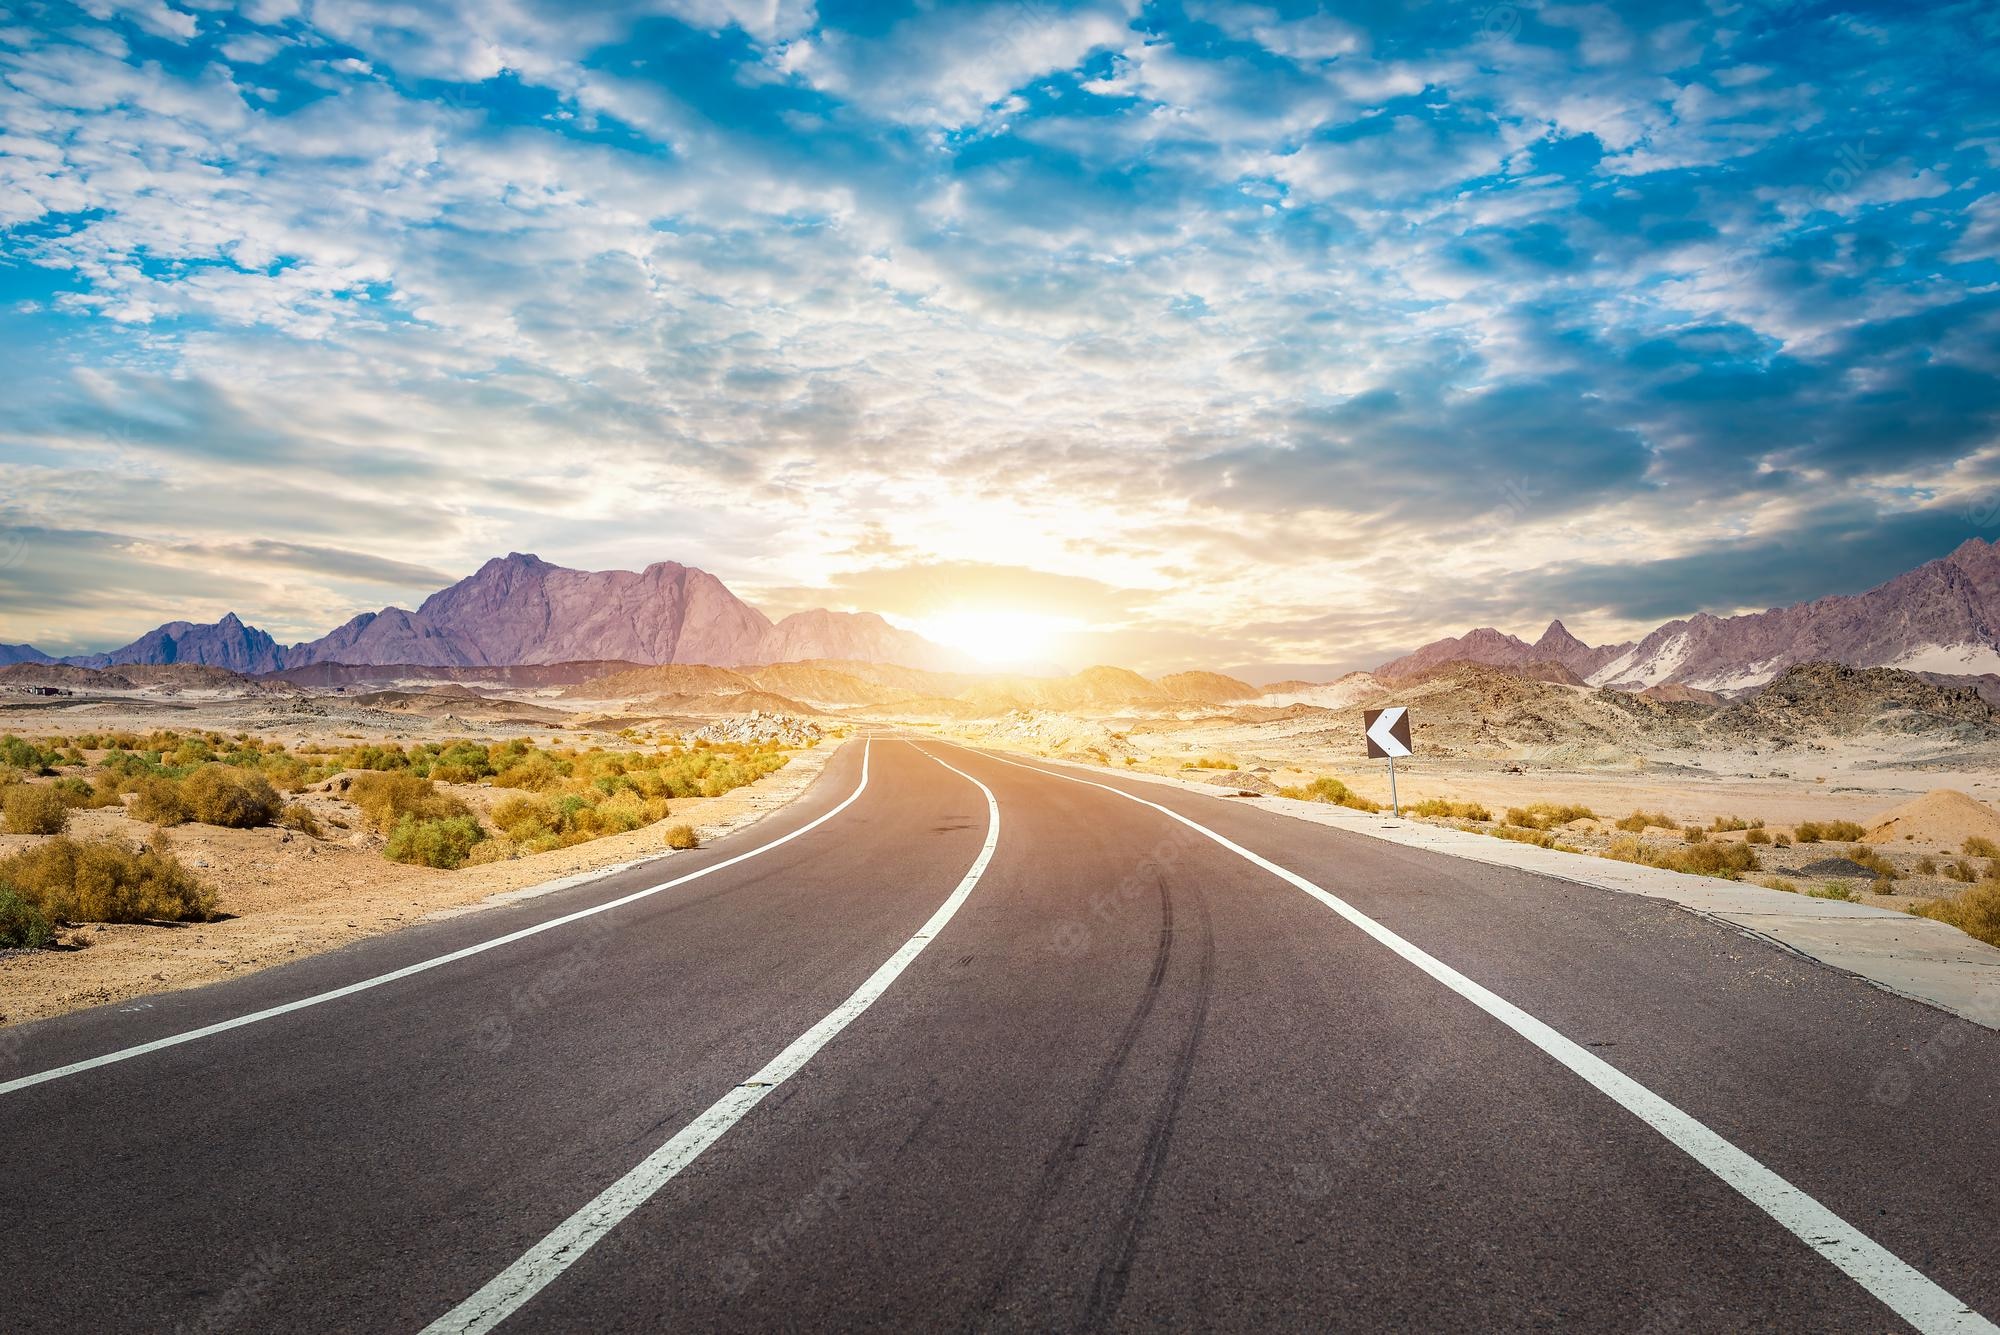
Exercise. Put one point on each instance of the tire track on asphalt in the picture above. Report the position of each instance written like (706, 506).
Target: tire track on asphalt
(1108, 1290)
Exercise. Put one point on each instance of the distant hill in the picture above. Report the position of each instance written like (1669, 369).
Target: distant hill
(1941, 619)
(521, 610)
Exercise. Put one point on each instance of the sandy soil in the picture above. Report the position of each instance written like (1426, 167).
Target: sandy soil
(291, 895)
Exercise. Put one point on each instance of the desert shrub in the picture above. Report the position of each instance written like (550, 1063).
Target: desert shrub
(23, 926)
(34, 809)
(1694, 834)
(25, 755)
(492, 849)
(1445, 808)
(1332, 791)
(1865, 856)
(1833, 831)
(157, 800)
(1883, 885)
(1779, 883)
(1640, 821)
(1927, 867)
(1209, 762)
(439, 842)
(1961, 870)
(297, 816)
(537, 773)
(1726, 824)
(1980, 847)
(1833, 890)
(1756, 834)
(237, 799)
(1976, 911)
(1547, 815)
(74, 881)
(682, 837)
(1728, 861)
(1782, 840)
(387, 797)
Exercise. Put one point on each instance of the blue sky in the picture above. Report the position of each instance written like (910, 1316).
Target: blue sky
(1217, 334)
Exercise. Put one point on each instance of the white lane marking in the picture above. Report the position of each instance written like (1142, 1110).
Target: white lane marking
(423, 966)
(508, 1291)
(1899, 1285)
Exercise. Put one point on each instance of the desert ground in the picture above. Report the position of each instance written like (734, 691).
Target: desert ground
(1840, 784)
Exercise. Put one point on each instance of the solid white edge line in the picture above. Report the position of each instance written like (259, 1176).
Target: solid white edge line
(423, 966)
(513, 1287)
(1905, 1290)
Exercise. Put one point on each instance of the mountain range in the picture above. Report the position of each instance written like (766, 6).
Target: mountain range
(520, 609)
(1941, 618)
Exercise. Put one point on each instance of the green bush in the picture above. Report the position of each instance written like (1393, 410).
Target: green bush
(22, 925)
(27, 756)
(34, 809)
(234, 798)
(72, 881)
(440, 842)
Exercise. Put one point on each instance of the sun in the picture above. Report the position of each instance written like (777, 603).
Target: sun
(995, 637)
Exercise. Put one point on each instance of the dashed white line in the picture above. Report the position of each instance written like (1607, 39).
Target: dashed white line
(513, 1287)
(1905, 1290)
(424, 966)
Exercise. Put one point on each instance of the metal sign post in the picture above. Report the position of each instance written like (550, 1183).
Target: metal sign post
(1388, 735)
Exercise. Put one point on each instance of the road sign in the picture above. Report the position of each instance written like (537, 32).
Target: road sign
(1388, 732)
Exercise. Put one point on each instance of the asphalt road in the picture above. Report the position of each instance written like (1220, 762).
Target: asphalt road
(1115, 1074)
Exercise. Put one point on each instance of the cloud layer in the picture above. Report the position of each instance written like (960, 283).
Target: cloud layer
(1241, 333)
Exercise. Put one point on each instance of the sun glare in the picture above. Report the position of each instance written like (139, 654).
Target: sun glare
(995, 638)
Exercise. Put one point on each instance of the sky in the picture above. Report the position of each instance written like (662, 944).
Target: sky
(1275, 337)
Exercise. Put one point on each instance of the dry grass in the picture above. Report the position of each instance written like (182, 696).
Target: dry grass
(1519, 835)
(1444, 808)
(1757, 834)
(1832, 831)
(1863, 855)
(1976, 911)
(1641, 821)
(1332, 791)
(1980, 847)
(682, 837)
(1728, 861)
(1547, 815)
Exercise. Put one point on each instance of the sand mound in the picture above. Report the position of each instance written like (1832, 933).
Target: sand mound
(1944, 817)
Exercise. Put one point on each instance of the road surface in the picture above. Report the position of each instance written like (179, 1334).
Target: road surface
(979, 1043)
